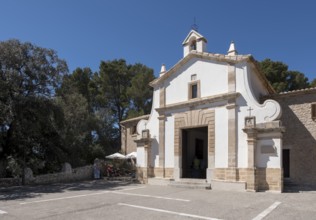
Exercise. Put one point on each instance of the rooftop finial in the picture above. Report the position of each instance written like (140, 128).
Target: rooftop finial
(195, 26)
(232, 50)
(163, 69)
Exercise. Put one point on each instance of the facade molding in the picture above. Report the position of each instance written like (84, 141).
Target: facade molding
(199, 101)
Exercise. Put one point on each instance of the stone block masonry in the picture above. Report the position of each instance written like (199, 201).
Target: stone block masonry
(77, 174)
(300, 135)
(6, 182)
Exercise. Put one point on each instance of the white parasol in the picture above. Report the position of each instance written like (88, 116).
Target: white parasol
(115, 156)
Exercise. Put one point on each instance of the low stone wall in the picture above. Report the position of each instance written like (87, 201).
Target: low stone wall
(267, 179)
(77, 174)
(5, 182)
(68, 175)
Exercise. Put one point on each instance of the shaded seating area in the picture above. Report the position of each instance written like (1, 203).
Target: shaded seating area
(116, 167)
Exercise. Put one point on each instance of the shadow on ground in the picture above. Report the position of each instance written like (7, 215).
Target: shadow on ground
(22, 192)
(299, 188)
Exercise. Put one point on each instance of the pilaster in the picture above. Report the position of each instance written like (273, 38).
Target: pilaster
(162, 97)
(252, 183)
(250, 129)
(144, 172)
(231, 78)
(232, 138)
(211, 149)
(232, 123)
(162, 123)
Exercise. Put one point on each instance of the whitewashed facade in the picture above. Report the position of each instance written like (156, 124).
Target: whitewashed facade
(208, 106)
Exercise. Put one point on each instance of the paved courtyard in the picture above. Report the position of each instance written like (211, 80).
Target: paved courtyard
(121, 200)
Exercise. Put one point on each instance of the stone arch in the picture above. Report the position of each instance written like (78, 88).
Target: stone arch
(191, 119)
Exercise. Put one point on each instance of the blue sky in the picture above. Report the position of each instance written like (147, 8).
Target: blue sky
(84, 32)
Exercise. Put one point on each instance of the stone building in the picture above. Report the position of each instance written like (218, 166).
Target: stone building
(299, 140)
(208, 124)
(129, 134)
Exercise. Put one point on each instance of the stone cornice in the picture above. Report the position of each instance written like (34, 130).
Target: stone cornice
(143, 142)
(272, 126)
(199, 101)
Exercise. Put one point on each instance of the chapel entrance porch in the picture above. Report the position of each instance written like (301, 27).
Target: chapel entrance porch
(194, 152)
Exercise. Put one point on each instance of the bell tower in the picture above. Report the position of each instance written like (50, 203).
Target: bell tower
(194, 42)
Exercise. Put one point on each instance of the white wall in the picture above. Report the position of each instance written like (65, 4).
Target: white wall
(221, 137)
(140, 157)
(212, 76)
(257, 87)
(153, 126)
(213, 81)
(250, 88)
(268, 111)
(169, 142)
(271, 159)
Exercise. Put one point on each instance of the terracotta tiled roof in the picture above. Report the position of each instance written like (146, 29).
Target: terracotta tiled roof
(299, 90)
(295, 92)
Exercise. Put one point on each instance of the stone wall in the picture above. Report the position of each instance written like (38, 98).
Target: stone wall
(269, 179)
(266, 179)
(128, 138)
(129, 134)
(6, 182)
(231, 174)
(300, 134)
(131, 145)
(158, 172)
(77, 174)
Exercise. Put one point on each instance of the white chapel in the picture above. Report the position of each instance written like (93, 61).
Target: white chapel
(209, 124)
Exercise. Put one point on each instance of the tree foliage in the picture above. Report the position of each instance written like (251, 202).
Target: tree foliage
(281, 78)
(313, 83)
(124, 89)
(29, 76)
(95, 103)
(139, 92)
(87, 130)
(113, 81)
(48, 116)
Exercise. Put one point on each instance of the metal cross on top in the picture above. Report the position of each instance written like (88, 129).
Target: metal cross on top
(249, 109)
(195, 26)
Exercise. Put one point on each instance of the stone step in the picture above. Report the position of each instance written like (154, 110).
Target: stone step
(158, 181)
(191, 184)
(288, 182)
(290, 186)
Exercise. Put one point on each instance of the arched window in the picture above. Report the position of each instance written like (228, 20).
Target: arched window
(193, 45)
